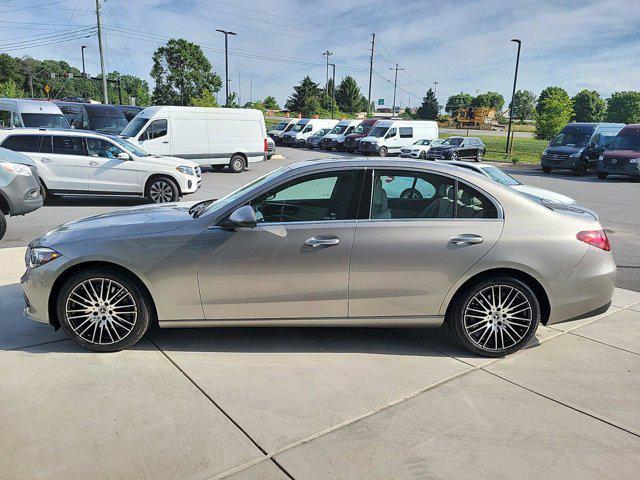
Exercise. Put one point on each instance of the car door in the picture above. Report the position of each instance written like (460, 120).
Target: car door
(67, 164)
(106, 172)
(294, 263)
(417, 242)
(155, 139)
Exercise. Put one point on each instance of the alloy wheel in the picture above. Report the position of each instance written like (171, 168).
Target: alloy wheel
(497, 317)
(101, 311)
(161, 192)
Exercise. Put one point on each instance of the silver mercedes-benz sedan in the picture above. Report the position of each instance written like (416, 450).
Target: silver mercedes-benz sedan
(327, 243)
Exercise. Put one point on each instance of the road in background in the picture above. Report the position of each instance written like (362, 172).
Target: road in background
(615, 199)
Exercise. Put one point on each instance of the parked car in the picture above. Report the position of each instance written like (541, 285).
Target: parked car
(94, 116)
(219, 137)
(281, 128)
(20, 112)
(83, 162)
(19, 187)
(335, 138)
(271, 147)
(390, 136)
(129, 111)
(306, 127)
(454, 148)
(352, 141)
(419, 149)
(352, 242)
(622, 156)
(578, 146)
(315, 140)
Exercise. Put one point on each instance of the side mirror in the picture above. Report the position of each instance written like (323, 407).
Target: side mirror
(123, 156)
(244, 217)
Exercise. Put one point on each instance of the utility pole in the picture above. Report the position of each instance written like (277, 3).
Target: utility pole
(226, 63)
(333, 90)
(435, 88)
(105, 95)
(513, 93)
(373, 43)
(326, 82)
(395, 85)
(239, 91)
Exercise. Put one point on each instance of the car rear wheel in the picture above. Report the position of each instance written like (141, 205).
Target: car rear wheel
(103, 310)
(479, 156)
(454, 156)
(3, 225)
(602, 175)
(546, 169)
(423, 155)
(237, 164)
(496, 316)
(383, 151)
(162, 190)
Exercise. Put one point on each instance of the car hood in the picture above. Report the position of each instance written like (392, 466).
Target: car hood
(147, 219)
(353, 136)
(563, 150)
(622, 154)
(544, 196)
(442, 147)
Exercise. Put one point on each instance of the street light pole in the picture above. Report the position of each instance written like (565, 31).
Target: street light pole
(333, 90)
(326, 82)
(226, 63)
(84, 72)
(513, 93)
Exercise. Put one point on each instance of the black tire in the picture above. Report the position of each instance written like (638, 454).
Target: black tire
(301, 143)
(489, 319)
(3, 225)
(602, 175)
(454, 156)
(546, 169)
(98, 332)
(237, 164)
(218, 168)
(479, 156)
(162, 190)
(383, 151)
(581, 170)
(423, 155)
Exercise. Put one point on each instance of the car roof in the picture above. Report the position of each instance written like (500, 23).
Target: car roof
(53, 131)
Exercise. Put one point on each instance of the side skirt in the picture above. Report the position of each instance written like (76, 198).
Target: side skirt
(434, 321)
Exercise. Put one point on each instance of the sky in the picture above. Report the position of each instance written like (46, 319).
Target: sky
(462, 45)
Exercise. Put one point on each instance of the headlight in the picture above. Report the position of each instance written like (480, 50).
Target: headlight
(634, 160)
(16, 168)
(575, 155)
(186, 170)
(38, 256)
(544, 153)
(601, 157)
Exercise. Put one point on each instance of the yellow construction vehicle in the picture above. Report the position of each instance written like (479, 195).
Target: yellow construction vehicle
(481, 118)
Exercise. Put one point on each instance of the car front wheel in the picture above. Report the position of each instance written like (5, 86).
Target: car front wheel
(602, 175)
(479, 156)
(3, 225)
(162, 190)
(546, 169)
(423, 155)
(383, 151)
(454, 156)
(496, 316)
(103, 310)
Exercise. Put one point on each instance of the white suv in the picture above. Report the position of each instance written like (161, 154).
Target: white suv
(74, 162)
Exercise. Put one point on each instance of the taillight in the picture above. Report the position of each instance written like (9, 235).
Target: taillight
(597, 238)
(266, 145)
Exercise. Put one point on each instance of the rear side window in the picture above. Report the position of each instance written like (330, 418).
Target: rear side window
(22, 143)
(473, 204)
(68, 145)
(406, 132)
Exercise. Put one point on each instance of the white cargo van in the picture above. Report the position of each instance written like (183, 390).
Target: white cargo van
(20, 112)
(208, 136)
(335, 138)
(278, 130)
(389, 136)
(304, 129)
(279, 134)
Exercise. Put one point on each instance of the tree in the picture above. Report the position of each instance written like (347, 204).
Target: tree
(311, 107)
(206, 99)
(548, 92)
(270, 103)
(488, 100)
(555, 112)
(181, 72)
(624, 107)
(232, 102)
(524, 104)
(588, 106)
(460, 100)
(429, 108)
(301, 93)
(9, 89)
(348, 96)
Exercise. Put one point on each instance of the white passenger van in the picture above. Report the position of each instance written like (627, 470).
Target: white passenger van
(304, 129)
(389, 136)
(278, 130)
(335, 138)
(21, 112)
(208, 136)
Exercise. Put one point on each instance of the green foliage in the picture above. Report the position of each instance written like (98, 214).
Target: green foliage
(524, 104)
(460, 100)
(270, 103)
(311, 107)
(488, 100)
(232, 101)
(9, 89)
(588, 106)
(548, 92)
(256, 105)
(554, 112)
(624, 107)
(305, 90)
(349, 99)
(206, 99)
(181, 72)
(429, 108)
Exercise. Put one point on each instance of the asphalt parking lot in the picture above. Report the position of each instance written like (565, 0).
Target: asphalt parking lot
(320, 403)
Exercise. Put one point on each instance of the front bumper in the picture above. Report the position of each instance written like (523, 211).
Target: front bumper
(556, 162)
(36, 287)
(368, 147)
(329, 143)
(190, 184)
(629, 170)
(23, 195)
(410, 154)
(439, 156)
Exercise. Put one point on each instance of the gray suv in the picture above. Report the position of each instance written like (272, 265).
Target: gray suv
(19, 186)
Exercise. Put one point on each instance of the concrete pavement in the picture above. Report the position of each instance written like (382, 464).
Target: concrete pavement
(279, 403)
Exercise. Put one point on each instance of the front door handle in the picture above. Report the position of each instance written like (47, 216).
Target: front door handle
(166, 141)
(93, 163)
(46, 160)
(322, 241)
(466, 239)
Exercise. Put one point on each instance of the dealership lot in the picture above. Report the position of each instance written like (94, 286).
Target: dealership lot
(324, 403)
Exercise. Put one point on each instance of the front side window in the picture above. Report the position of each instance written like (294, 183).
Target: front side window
(453, 141)
(97, 147)
(308, 129)
(17, 121)
(156, 129)
(339, 129)
(299, 127)
(68, 145)
(313, 198)
(406, 132)
(392, 133)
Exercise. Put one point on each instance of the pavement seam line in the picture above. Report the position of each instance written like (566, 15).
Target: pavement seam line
(213, 402)
(603, 343)
(36, 344)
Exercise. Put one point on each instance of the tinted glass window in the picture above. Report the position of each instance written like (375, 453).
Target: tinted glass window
(44, 120)
(22, 143)
(156, 129)
(392, 133)
(401, 194)
(17, 121)
(101, 148)
(406, 132)
(473, 204)
(318, 197)
(68, 145)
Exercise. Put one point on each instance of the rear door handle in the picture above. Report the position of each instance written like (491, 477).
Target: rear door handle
(322, 241)
(94, 163)
(466, 239)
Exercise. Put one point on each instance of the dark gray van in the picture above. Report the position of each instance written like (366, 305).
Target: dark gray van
(578, 146)
(108, 119)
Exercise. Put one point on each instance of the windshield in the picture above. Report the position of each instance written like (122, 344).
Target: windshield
(378, 131)
(299, 127)
(499, 176)
(423, 142)
(338, 129)
(454, 141)
(137, 151)
(289, 127)
(571, 139)
(321, 133)
(108, 124)
(362, 128)
(44, 120)
(625, 142)
(134, 127)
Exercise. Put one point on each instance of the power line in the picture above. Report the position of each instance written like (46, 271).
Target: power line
(42, 44)
(47, 35)
(34, 6)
